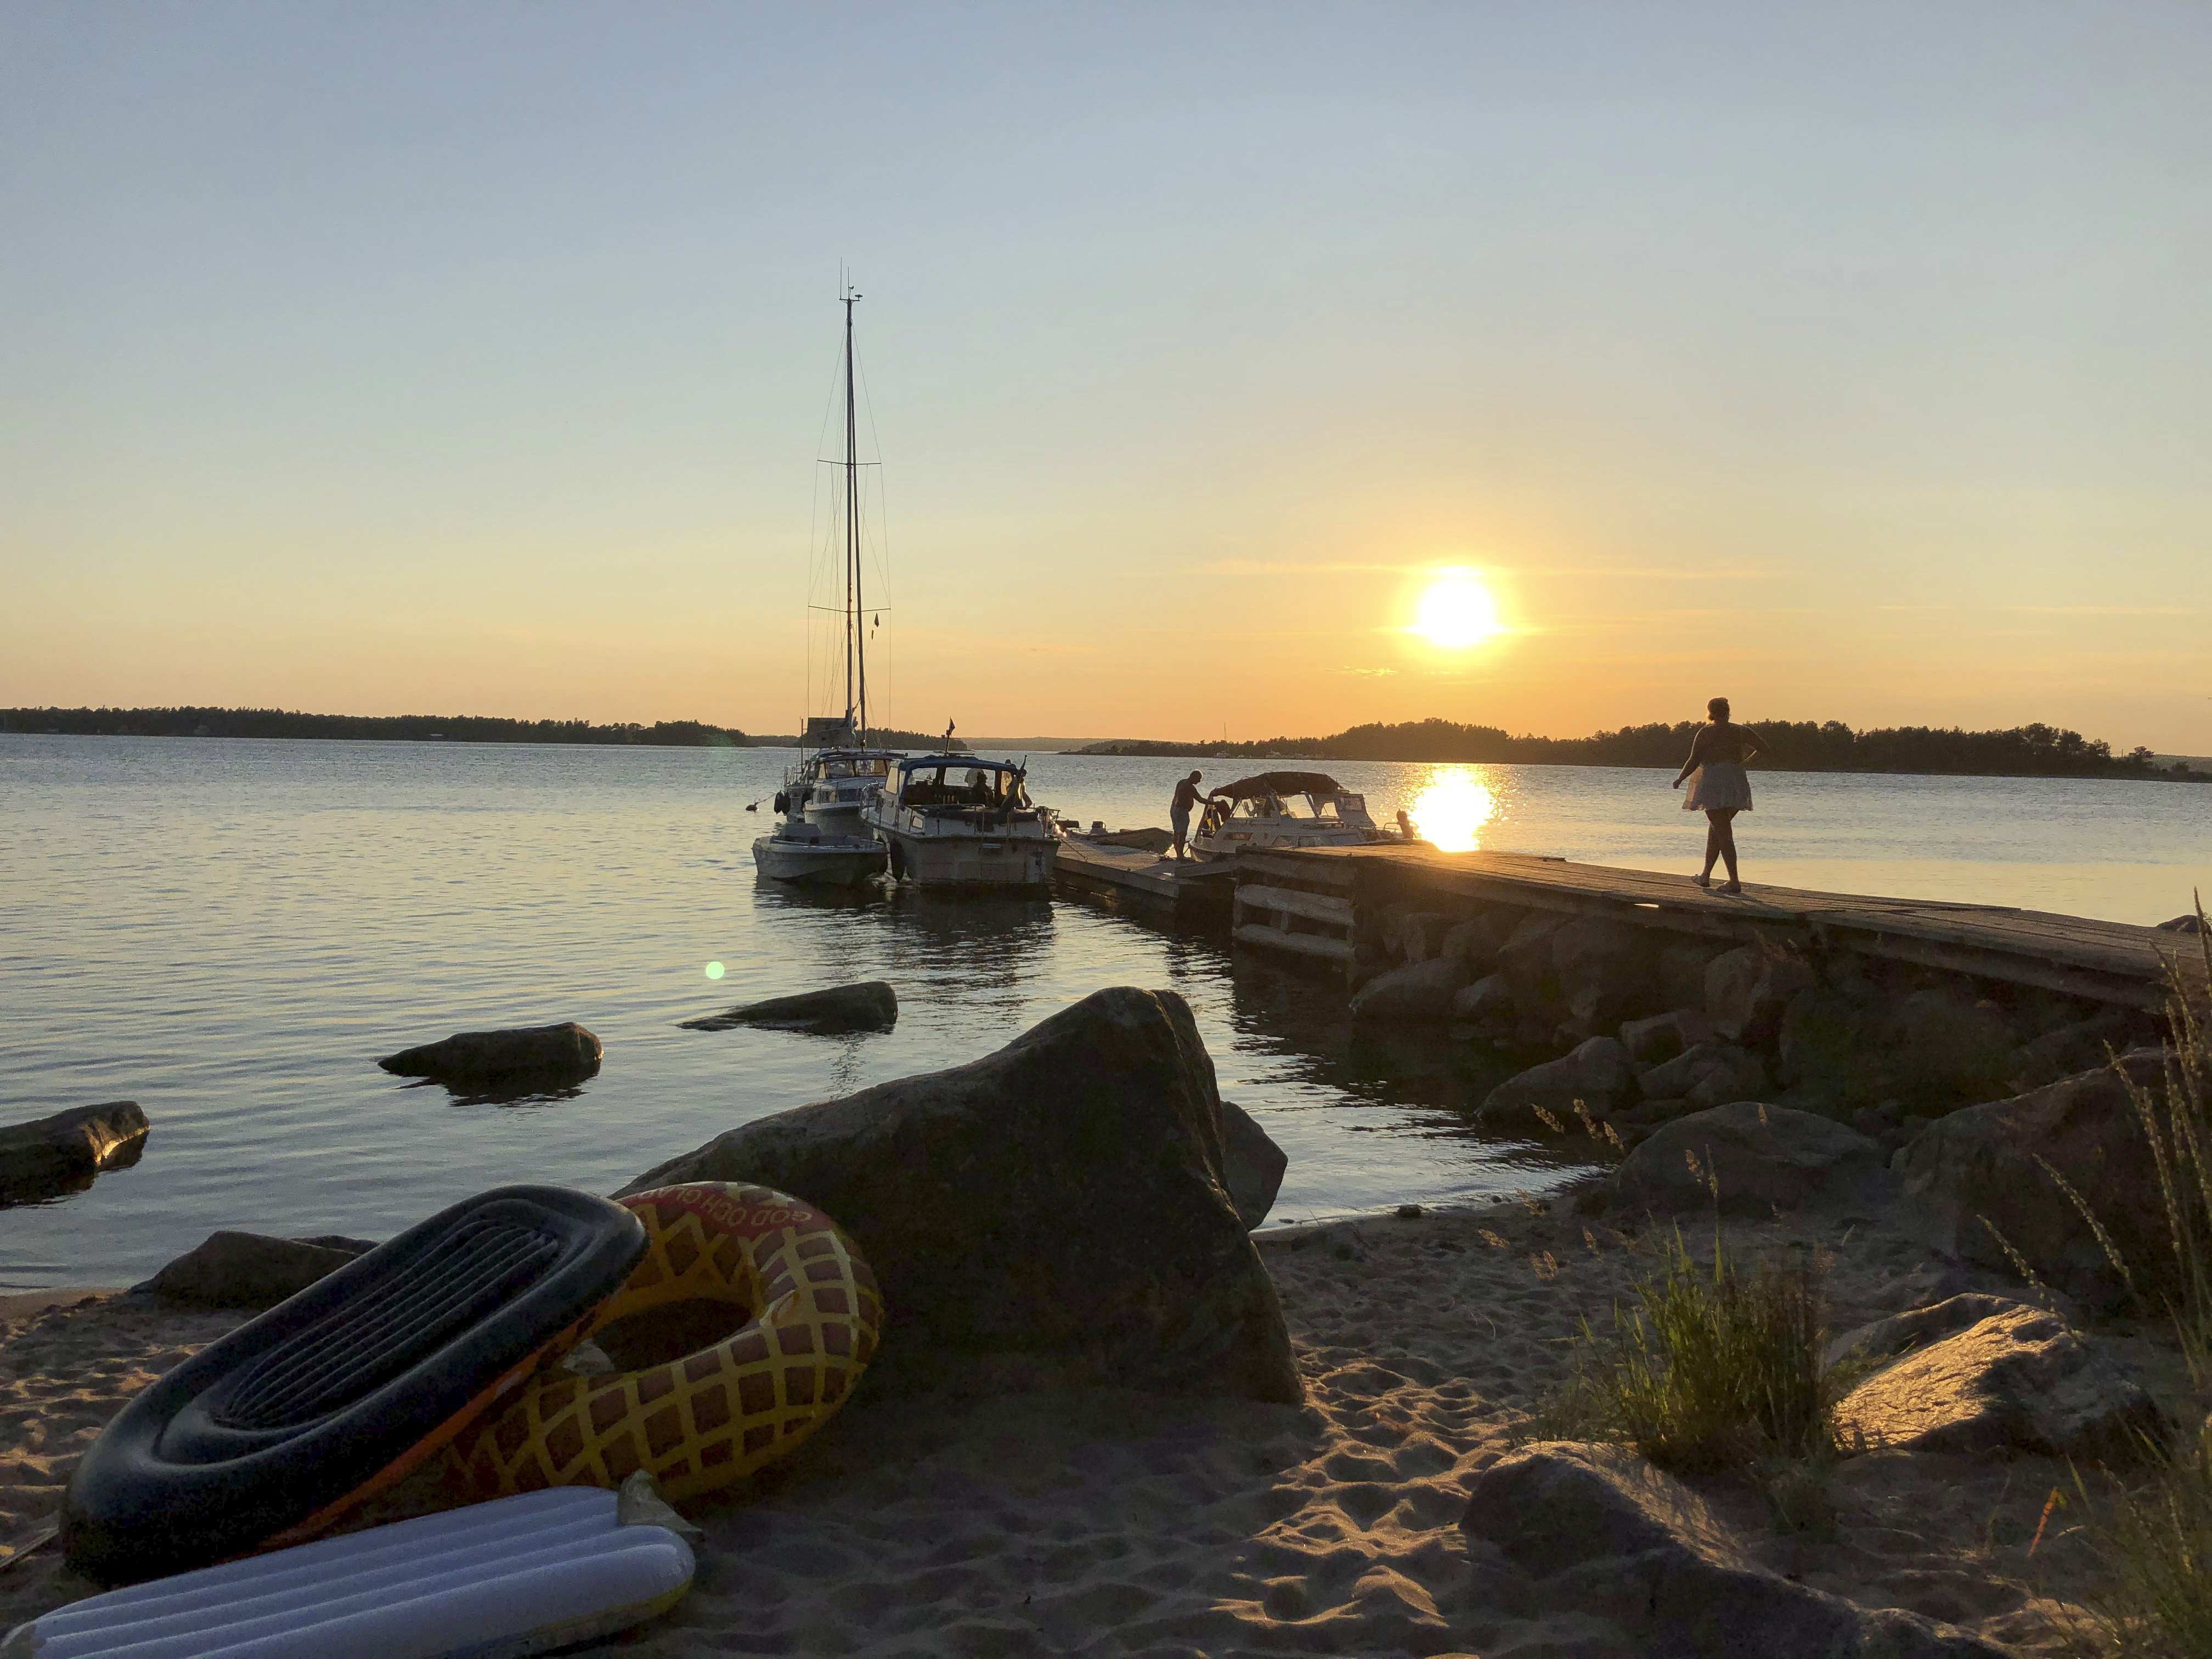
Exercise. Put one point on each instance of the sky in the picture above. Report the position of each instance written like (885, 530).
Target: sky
(1849, 361)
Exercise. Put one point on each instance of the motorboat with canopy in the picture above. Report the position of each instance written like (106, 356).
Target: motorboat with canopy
(1287, 808)
(820, 839)
(963, 821)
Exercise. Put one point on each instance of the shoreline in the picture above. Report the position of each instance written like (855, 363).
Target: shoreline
(1110, 1521)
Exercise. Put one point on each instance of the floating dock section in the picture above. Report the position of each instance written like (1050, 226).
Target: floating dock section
(1134, 874)
(1324, 904)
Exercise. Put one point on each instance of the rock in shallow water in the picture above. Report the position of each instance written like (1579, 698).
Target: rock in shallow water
(1419, 991)
(1051, 1215)
(251, 1270)
(520, 1054)
(1596, 1530)
(870, 1006)
(62, 1153)
(1596, 1073)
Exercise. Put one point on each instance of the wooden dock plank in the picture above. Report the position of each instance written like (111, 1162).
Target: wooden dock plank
(2108, 961)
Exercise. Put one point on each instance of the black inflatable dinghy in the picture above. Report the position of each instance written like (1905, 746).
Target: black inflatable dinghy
(339, 1391)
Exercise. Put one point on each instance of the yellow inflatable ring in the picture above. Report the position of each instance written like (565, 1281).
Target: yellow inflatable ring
(700, 1422)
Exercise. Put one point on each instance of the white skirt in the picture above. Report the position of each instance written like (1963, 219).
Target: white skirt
(1718, 784)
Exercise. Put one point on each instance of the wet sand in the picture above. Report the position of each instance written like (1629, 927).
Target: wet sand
(1108, 1522)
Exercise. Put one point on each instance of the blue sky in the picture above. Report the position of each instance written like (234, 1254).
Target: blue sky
(1851, 360)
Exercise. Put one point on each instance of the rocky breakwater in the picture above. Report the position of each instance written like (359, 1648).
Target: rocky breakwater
(1062, 1212)
(1648, 1024)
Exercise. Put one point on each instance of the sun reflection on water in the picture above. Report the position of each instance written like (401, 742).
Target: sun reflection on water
(1451, 806)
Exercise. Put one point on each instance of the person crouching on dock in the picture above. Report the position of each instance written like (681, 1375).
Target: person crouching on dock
(1186, 797)
(1720, 790)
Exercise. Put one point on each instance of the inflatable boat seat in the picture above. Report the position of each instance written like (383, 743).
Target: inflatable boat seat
(343, 1389)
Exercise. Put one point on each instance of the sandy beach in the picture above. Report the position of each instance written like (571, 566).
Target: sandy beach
(1109, 1521)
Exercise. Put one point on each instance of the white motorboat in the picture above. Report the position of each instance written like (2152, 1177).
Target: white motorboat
(821, 838)
(1289, 809)
(963, 821)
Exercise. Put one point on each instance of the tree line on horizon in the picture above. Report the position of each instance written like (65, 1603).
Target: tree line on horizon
(2034, 751)
(188, 722)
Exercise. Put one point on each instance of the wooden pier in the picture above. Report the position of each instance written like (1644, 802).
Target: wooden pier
(1145, 879)
(1312, 903)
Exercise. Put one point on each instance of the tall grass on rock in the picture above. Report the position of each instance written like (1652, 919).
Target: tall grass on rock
(1713, 1368)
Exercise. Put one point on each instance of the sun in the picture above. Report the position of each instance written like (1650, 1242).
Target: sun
(1455, 611)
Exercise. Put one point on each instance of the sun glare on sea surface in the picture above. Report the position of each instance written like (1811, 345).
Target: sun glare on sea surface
(1455, 610)
(1451, 809)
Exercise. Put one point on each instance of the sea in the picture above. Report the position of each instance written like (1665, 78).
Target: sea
(231, 932)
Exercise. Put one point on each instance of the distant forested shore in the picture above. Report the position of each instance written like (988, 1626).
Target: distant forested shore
(401, 729)
(2032, 751)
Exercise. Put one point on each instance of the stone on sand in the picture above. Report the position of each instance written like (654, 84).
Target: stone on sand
(2017, 1380)
(250, 1270)
(1054, 1214)
(870, 1006)
(1597, 1531)
(53, 1155)
(529, 1054)
(1252, 1165)
(1977, 1170)
(1752, 1159)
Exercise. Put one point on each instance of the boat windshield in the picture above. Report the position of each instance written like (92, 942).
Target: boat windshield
(962, 786)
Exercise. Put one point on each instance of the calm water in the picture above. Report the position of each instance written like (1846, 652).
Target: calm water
(229, 932)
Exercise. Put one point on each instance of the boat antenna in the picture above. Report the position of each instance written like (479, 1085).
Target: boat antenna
(856, 646)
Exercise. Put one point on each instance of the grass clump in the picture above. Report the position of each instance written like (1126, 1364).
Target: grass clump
(1713, 1368)
(2153, 1547)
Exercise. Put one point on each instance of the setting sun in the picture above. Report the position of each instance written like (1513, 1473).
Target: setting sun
(1455, 610)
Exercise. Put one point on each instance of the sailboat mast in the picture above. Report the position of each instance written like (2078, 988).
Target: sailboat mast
(856, 655)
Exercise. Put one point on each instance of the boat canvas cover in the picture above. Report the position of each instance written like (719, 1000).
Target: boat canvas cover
(1279, 783)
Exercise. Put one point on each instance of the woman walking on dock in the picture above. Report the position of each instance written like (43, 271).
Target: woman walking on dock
(1720, 789)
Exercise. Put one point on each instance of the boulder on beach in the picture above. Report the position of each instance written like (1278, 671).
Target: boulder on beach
(1252, 1165)
(1595, 1532)
(1419, 991)
(2016, 1379)
(1607, 971)
(522, 1055)
(2081, 1045)
(250, 1270)
(59, 1154)
(1488, 1002)
(1596, 1073)
(1986, 1172)
(1052, 1215)
(1748, 1158)
(1747, 990)
(871, 1005)
(1711, 1074)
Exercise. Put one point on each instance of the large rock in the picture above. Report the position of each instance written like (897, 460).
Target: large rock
(1488, 1003)
(2079, 1046)
(1051, 1215)
(871, 1006)
(1597, 1531)
(1747, 990)
(1826, 1038)
(2017, 1380)
(1596, 1072)
(1252, 1165)
(523, 1054)
(1947, 1048)
(1711, 1074)
(1417, 935)
(1977, 1169)
(1681, 970)
(1607, 971)
(1525, 960)
(1881, 1340)
(1419, 991)
(1660, 1038)
(1475, 940)
(61, 1154)
(250, 1270)
(1752, 1159)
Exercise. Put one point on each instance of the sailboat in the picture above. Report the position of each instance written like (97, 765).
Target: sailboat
(820, 839)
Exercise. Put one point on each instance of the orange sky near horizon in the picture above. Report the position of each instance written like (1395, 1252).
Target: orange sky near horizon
(1848, 365)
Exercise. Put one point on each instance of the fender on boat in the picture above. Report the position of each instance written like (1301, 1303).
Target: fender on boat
(701, 1421)
(272, 1432)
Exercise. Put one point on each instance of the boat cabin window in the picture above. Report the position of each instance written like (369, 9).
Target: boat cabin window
(967, 786)
(1297, 806)
(1259, 806)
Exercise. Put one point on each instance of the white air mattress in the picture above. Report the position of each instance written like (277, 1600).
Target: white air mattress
(493, 1580)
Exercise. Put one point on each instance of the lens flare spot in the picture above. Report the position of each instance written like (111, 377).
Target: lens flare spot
(1451, 807)
(714, 970)
(1455, 610)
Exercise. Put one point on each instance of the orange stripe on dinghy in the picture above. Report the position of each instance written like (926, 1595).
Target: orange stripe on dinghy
(702, 1421)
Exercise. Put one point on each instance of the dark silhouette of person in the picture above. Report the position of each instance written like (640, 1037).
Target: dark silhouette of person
(1186, 797)
(1720, 788)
